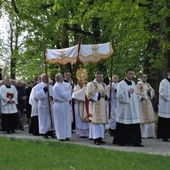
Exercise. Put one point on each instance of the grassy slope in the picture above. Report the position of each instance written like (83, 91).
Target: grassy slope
(24, 154)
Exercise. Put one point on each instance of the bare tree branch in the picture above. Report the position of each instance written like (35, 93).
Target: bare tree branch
(15, 7)
(45, 6)
(78, 30)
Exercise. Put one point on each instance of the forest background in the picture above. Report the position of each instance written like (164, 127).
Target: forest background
(140, 30)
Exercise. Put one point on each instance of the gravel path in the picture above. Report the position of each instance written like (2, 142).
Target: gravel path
(151, 146)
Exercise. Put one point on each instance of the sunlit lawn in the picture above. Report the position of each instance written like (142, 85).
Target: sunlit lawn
(23, 154)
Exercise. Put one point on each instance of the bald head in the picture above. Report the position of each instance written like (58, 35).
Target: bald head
(115, 79)
(59, 77)
(44, 78)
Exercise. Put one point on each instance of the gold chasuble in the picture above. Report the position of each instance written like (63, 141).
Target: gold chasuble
(97, 107)
(147, 114)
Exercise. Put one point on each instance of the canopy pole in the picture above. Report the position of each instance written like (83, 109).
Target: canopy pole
(47, 80)
(111, 70)
(76, 65)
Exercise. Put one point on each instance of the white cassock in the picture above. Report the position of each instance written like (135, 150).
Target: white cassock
(164, 99)
(82, 128)
(62, 110)
(128, 104)
(112, 121)
(45, 118)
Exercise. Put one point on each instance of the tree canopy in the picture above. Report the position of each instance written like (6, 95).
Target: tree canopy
(140, 31)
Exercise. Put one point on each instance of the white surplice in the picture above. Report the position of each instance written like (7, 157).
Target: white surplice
(7, 108)
(45, 117)
(128, 104)
(164, 99)
(62, 110)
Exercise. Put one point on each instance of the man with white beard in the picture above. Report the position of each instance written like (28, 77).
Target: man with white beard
(62, 108)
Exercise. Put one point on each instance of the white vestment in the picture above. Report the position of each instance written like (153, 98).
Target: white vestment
(62, 110)
(33, 102)
(82, 128)
(7, 108)
(112, 121)
(147, 115)
(128, 104)
(96, 130)
(164, 99)
(45, 117)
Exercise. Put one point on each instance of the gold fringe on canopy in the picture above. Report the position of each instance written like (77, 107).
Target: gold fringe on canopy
(87, 54)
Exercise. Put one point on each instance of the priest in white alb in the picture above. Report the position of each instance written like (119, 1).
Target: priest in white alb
(62, 109)
(44, 94)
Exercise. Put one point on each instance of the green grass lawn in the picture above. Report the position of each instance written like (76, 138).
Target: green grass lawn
(29, 154)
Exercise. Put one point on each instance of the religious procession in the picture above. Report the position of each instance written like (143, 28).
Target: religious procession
(89, 109)
(85, 84)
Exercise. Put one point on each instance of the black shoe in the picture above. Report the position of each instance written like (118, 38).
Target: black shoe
(97, 142)
(53, 136)
(122, 144)
(84, 137)
(45, 137)
(67, 139)
(62, 140)
(102, 142)
(138, 145)
(165, 140)
(111, 132)
(13, 131)
(21, 129)
(9, 132)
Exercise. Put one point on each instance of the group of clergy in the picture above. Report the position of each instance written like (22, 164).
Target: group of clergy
(125, 106)
(130, 115)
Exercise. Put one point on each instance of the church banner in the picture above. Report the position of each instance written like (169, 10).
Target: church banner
(95, 52)
(87, 54)
(62, 56)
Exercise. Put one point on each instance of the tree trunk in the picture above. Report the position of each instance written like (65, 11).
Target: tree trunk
(167, 55)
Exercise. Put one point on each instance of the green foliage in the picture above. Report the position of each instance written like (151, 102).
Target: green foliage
(138, 28)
